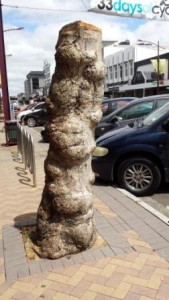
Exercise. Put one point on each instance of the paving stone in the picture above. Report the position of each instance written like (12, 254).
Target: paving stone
(113, 221)
(5, 286)
(164, 253)
(15, 246)
(119, 228)
(7, 227)
(16, 262)
(119, 243)
(107, 251)
(88, 256)
(159, 245)
(11, 273)
(65, 261)
(78, 258)
(45, 265)
(98, 267)
(1, 249)
(23, 271)
(117, 250)
(128, 249)
(9, 256)
(97, 253)
(57, 263)
(34, 267)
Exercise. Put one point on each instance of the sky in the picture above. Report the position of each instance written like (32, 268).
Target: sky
(30, 47)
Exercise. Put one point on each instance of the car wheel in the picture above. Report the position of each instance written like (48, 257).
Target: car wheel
(31, 122)
(139, 175)
(22, 121)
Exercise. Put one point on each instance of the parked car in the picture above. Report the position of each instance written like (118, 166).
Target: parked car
(136, 156)
(110, 105)
(134, 110)
(107, 106)
(36, 118)
(29, 109)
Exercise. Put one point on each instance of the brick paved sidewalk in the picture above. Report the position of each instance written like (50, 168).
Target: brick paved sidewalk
(131, 264)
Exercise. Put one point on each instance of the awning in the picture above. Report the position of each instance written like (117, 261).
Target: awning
(143, 86)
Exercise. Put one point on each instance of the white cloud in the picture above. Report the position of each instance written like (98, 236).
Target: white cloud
(31, 46)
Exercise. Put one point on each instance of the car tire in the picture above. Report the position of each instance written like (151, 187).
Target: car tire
(138, 175)
(31, 122)
(22, 121)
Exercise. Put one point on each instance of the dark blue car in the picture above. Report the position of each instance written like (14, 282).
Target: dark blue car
(136, 156)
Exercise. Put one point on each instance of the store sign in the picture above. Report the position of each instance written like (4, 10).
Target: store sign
(154, 10)
(159, 66)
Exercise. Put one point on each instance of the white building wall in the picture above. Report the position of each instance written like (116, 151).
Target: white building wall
(27, 89)
(41, 83)
(120, 66)
(120, 62)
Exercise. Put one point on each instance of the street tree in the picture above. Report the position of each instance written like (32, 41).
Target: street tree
(65, 218)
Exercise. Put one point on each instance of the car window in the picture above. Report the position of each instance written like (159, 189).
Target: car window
(122, 103)
(111, 106)
(39, 106)
(156, 115)
(104, 107)
(162, 102)
(136, 110)
(30, 106)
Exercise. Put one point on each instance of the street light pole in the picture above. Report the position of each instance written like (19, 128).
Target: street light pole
(158, 61)
(11, 29)
(4, 82)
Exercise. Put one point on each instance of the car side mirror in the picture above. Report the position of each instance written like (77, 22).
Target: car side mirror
(114, 120)
(165, 125)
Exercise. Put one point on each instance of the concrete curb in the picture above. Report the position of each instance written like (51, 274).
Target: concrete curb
(145, 205)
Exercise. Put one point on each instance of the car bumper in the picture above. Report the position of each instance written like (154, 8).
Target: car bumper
(102, 168)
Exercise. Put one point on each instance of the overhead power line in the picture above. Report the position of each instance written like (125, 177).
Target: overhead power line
(84, 4)
(43, 9)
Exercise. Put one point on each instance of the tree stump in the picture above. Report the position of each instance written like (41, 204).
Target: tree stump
(65, 219)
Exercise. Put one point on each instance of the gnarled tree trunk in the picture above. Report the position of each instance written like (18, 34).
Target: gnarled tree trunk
(65, 222)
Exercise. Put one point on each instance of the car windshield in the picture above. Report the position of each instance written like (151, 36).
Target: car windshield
(156, 115)
(30, 106)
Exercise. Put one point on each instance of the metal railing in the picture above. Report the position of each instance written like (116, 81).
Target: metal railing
(25, 146)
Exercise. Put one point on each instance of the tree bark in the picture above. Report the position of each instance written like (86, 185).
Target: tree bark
(65, 219)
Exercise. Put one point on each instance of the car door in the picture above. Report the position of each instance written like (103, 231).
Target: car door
(125, 116)
(43, 117)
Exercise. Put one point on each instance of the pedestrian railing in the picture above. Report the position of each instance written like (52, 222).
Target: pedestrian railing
(26, 148)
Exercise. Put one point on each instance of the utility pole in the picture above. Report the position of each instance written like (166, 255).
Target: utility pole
(3, 72)
(158, 68)
(158, 61)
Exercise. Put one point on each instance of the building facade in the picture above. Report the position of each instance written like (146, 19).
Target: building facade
(130, 71)
(34, 84)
